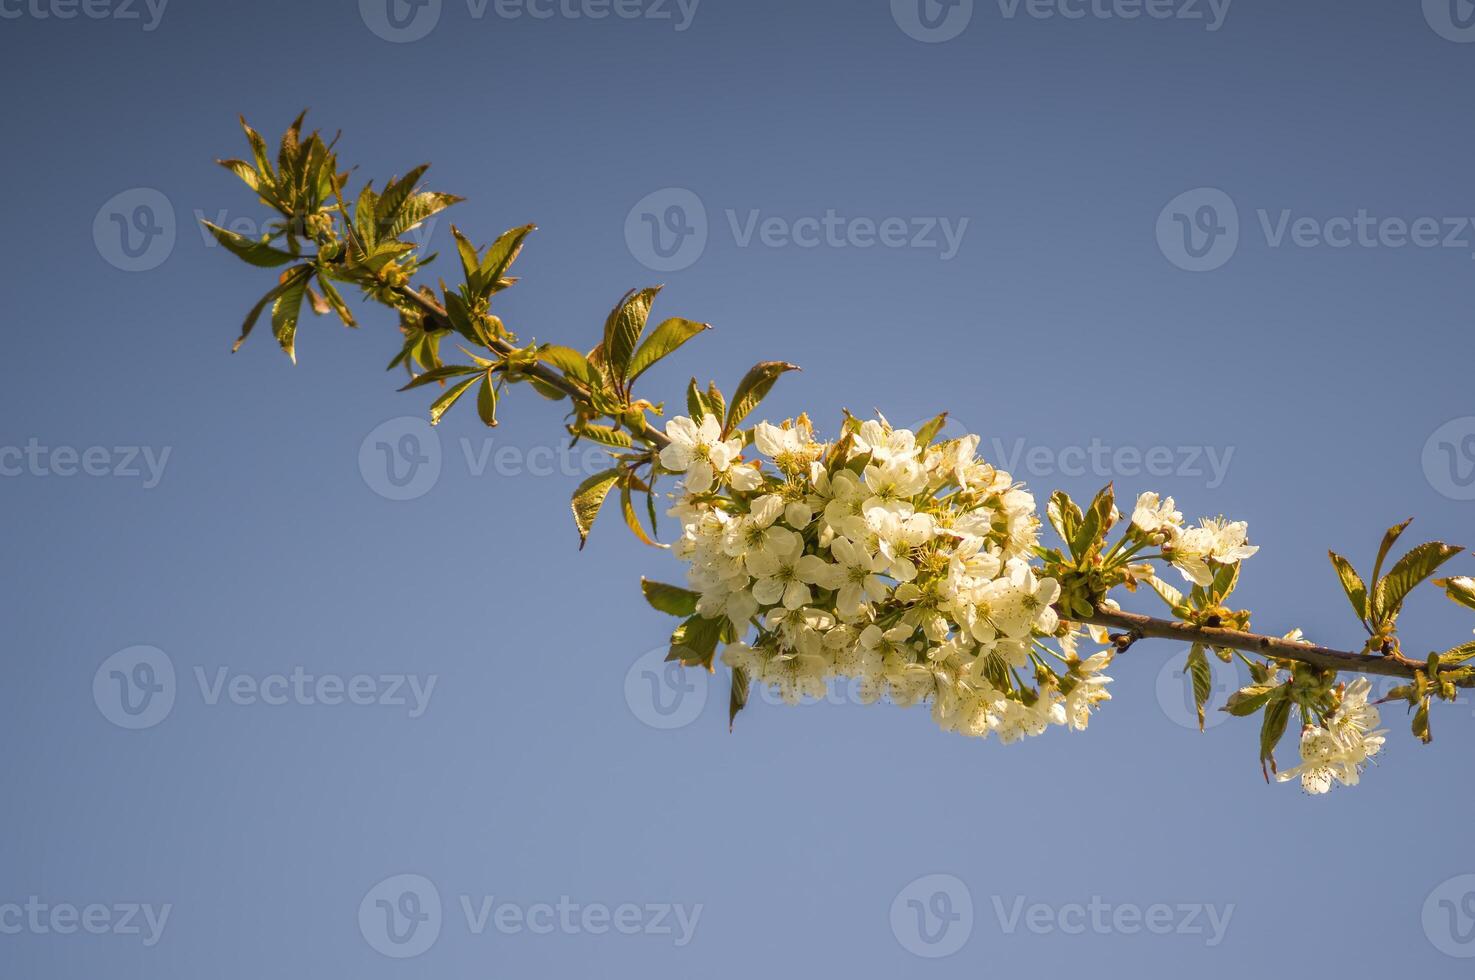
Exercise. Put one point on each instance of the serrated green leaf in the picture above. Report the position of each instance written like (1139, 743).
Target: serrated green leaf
(715, 400)
(469, 260)
(397, 192)
(755, 385)
(259, 254)
(1197, 669)
(604, 435)
(365, 220)
(439, 374)
(243, 170)
(1406, 574)
(500, 256)
(335, 300)
(414, 211)
(1458, 655)
(1352, 585)
(697, 407)
(258, 151)
(1420, 723)
(286, 309)
(1166, 592)
(670, 599)
(589, 498)
(261, 304)
(441, 405)
(665, 339)
(623, 328)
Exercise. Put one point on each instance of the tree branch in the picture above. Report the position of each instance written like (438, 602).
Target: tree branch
(1137, 626)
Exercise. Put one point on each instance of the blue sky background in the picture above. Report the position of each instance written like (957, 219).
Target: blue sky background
(1329, 377)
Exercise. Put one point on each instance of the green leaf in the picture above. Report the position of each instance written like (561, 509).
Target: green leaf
(1248, 700)
(694, 642)
(589, 498)
(1352, 584)
(1406, 574)
(501, 255)
(697, 407)
(398, 191)
(365, 221)
(715, 401)
(1421, 723)
(1460, 589)
(1458, 655)
(261, 304)
(439, 374)
(662, 341)
(929, 432)
(632, 519)
(1065, 515)
(751, 390)
(469, 260)
(623, 328)
(604, 435)
(258, 151)
(1226, 577)
(443, 404)
(669, 599)
(486, 401)
(335, 300)
(243, 170)
(1197, 668)
(287, 308)
(1166, 592)
(259, 254)
(414, 212)
(1277, 715)
(1389, 539)
(571, 363)
(737, 700)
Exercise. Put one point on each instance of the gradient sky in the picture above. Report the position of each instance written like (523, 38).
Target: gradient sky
(1325, 367)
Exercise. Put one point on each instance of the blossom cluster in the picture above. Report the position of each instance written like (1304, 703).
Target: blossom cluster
(1340, 747)
(1191, 549)
(903, 565)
